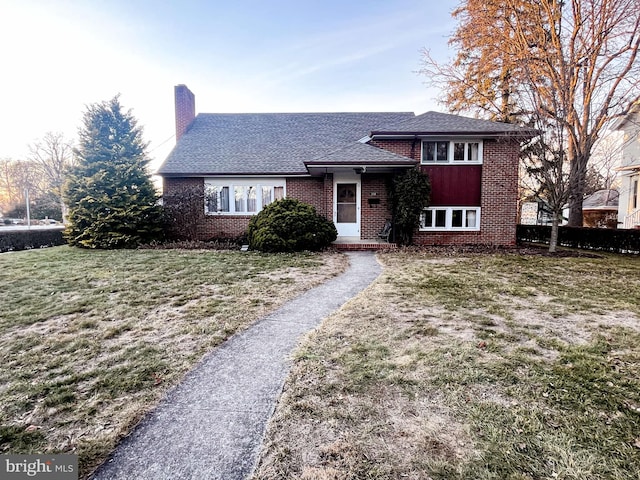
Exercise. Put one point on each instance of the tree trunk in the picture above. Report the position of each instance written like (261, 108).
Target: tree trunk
(65, 211)
(553, 241)
(575, 212)
(577, 179)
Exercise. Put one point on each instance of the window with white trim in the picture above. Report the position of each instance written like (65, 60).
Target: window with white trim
(451, 152)
(240, 196)
(450, 218)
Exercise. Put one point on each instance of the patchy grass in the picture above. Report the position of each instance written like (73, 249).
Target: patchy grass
(470, 367)
(90, 340)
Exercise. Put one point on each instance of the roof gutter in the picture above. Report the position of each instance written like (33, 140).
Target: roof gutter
(231, 174)
(362, 164)
(628, 168)
(467, 134)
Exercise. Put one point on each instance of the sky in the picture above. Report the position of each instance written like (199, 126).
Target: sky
(58, 56)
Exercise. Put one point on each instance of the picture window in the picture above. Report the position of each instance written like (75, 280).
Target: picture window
(247, 198)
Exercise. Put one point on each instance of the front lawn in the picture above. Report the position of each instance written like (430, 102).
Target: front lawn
(90, 340)
(470, 367)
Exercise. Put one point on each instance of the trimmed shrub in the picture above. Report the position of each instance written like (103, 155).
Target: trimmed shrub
(28, 239)
(289, 225)
(600, 239)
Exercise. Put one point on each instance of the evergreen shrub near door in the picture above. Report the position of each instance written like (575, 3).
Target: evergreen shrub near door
(289, 225)
(410, 193)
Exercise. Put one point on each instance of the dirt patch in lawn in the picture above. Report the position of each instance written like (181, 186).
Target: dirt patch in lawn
(477, 366)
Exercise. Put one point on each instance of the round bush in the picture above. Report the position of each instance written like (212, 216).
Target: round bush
(289, 225)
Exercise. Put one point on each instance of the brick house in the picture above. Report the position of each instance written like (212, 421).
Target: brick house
(340, 163)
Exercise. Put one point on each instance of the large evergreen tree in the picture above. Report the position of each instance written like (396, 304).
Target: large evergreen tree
(111, 199)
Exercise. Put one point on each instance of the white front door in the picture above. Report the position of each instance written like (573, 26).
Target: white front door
(346, 205)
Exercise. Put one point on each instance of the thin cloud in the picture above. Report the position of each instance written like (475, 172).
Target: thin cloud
(351, 44)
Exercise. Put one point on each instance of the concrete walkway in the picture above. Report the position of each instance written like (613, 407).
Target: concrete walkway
(211, 425)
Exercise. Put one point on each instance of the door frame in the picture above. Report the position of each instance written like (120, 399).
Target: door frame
(348, 230)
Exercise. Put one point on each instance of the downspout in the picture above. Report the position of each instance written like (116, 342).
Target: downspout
(413, 147)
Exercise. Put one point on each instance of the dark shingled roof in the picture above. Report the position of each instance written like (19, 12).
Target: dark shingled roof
(267, 143)
(282, 143)
(436, 123)
(362, 154)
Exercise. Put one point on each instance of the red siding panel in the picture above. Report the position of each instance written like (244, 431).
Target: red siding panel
(455, 185)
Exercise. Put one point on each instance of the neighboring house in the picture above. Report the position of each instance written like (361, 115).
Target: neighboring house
(629, 170)
(600, 209)
(540, 213)
(341, 163)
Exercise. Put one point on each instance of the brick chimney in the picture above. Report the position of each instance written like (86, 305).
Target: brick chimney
(185, 109)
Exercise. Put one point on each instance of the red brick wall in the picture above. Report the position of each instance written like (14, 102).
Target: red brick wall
(209, 226)
(328, 196)
(373, 214)
(224, 226)
(449, 238)
(185, 104)
(174, 185)
(406, 148)
(500, 191)
(311, 191)
(317, 191)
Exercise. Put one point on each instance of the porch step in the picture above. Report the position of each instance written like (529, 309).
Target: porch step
(363, 245)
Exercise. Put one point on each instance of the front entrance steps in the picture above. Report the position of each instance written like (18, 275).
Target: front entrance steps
(355, 244)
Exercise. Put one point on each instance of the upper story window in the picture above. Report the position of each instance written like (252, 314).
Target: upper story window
(451, 151)
(240, 196)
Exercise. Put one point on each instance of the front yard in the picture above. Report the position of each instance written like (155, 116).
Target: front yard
(90, 340)
(470, 367)
(450, 366)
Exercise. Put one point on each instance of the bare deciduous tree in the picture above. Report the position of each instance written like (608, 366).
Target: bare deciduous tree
(547, 167)
(16, 177)
(601, 172)
(573, 62)
(484, 78)
(183, 210)
(7, 186)
(53, 156)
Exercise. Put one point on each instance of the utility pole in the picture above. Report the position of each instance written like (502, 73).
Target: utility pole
(26, 196)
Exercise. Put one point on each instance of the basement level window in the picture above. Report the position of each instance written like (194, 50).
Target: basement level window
(450, 218)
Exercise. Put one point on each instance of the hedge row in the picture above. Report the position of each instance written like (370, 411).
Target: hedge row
(27, 239)
(602, 239)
